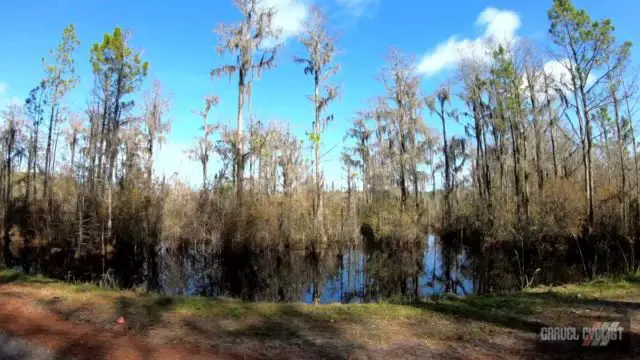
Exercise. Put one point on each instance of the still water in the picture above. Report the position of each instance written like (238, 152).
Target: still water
(347, 275)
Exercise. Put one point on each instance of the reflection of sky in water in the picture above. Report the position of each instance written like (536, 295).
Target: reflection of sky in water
(350, 279)
(344, 285)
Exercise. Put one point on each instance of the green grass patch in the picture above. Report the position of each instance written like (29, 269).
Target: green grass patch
(602, 288)
(11, 276)
(512, 310)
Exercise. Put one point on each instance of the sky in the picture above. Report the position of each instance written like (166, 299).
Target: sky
(178, 41)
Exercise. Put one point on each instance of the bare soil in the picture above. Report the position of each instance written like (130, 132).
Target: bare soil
(82, 325)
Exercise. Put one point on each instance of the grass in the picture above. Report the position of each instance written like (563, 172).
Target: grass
(602, 288)
(209, 306)
(525, 303)
(330, 331)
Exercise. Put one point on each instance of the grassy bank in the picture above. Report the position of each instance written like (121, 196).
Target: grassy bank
(504, 326)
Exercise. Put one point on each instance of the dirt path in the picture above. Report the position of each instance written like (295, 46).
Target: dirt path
(78, 322)
(66, 339)
(67, 334)
(13, 348)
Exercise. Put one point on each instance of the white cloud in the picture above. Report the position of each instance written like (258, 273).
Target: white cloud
(356, 7)
(290, 16)
(447, 54)
(559, 72)
(558, 76)
(500, 26)
(3, 88)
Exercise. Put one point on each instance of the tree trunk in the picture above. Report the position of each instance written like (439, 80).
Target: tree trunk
(622, 153)
(403, 180)
(52, 174)
(585, 135)
(35, 162)
(365, 160)
(537, 134)
(588, 168)
(27, 192)
(552, 122)
(525, 170)
(319, 211)
(103, 141)
(113, 154)
(73, 151)
(636, 175)
(80, 187)
(149, 246)
(8, 256)
(447, 167)
(478, 171)
(204, 172)
(516, 168)
(48, 150)
(487, 169)
(239, 156)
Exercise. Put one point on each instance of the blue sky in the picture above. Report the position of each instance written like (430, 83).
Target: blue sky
(177, 39)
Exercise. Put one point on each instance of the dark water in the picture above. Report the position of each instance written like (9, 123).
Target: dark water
(364, 273)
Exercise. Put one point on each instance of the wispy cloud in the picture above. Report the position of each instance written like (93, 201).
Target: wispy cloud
(14, 100)
(357, 7)
(291, 15)
(5, 99)
(500, 26)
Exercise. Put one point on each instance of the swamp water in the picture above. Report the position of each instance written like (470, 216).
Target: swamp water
(347, 275)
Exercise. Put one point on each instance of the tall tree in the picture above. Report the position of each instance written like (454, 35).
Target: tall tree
(204, 146)
(584, 48)
(442, 96)
(507, 79)
(13, 118)
(34, 108)
(59, 80)
(630, 111)
(472, 74)
(119, 72)
(245, 40)
(552, 119)
(532, 73)
(359, 155)
(320, 65)
(155, 127)
(402, 91)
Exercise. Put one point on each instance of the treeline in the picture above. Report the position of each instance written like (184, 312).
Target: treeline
(543, 182)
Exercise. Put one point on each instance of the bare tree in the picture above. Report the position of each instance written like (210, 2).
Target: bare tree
(320, 65)
(204, 146)
(443, 97)
(13, 118)
(245, 41)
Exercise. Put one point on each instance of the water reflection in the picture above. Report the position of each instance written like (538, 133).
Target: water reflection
(370, 272)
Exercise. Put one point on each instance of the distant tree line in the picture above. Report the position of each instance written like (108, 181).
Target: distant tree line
(544, 181)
